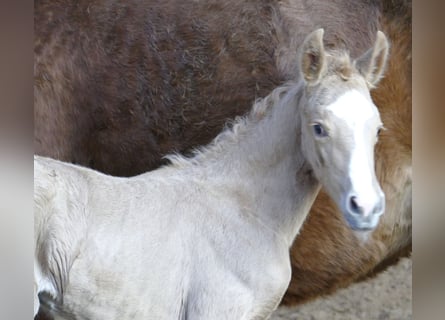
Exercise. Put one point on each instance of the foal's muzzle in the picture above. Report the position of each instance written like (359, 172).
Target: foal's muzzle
(363, 214)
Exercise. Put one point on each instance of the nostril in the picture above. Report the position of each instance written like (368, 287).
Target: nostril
(355, 208)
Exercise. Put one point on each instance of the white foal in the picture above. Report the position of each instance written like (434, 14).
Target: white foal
(207, 237)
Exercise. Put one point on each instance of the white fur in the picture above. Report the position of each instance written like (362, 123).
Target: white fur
(354, 108)
(362, 117)
(205, 238)
(202, 238)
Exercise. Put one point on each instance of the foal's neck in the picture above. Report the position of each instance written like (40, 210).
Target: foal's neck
(261, 158)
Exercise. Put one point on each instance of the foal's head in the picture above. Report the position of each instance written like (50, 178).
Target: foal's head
(340, 126)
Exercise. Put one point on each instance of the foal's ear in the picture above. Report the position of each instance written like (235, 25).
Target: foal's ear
(313, 58)
(372, 63)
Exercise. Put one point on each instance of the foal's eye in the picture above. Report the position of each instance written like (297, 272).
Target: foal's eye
(319, 130)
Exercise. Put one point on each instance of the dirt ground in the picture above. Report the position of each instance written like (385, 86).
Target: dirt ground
(386, 297)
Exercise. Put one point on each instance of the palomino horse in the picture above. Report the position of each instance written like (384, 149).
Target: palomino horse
(120, 84)
(182, 241)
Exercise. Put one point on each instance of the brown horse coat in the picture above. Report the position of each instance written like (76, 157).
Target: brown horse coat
(119, 84)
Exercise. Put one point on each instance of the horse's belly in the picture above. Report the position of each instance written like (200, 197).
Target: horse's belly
(128, 280)
(111, 296)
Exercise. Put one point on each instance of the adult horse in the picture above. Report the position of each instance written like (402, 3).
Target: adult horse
(120, 84)
(182, 241)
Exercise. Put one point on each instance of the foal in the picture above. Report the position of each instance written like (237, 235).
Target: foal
(208, 237)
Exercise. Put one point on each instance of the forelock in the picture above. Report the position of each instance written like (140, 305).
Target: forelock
(339, 64)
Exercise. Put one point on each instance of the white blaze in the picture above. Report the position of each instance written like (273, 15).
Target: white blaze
(360, 115)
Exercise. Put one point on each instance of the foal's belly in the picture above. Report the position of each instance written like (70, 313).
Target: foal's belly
(223, 297)
(117, 277)
(131, 295)
(199, 288)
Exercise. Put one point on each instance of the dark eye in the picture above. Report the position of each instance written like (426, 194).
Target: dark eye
(319, 130)
(379, 131)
